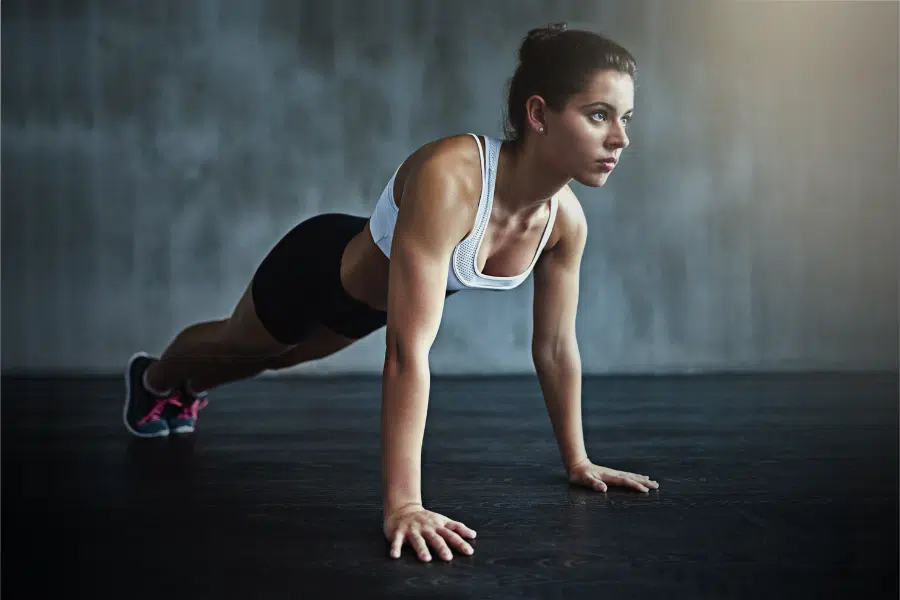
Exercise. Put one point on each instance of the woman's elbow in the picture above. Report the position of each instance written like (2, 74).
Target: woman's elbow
(404, 352)
(556, 352)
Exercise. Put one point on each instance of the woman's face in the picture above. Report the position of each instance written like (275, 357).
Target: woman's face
(586, 138)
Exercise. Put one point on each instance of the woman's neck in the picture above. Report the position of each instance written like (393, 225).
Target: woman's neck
(524, 180)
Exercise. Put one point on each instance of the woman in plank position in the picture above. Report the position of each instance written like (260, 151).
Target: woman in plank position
(461, 212)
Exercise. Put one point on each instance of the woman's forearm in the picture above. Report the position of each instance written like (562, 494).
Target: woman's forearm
(404, 406)
(560, 380)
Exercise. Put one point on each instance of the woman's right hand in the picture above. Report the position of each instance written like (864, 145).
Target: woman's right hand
(420, 528)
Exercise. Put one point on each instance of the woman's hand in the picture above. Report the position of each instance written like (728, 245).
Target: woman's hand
(420, 528)
(596, 477)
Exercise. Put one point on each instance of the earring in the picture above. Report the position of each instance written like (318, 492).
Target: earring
(541, 129)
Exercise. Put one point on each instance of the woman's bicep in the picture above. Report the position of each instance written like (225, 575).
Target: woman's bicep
(429, 225)
(415, 298)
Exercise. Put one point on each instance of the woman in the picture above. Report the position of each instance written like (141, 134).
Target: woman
(461, 212)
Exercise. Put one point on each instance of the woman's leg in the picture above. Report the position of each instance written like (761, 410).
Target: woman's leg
(297, 285)
(233, 346)
(321, 343)
(153, 386)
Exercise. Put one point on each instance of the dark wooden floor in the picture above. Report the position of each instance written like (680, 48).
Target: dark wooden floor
(770, 487)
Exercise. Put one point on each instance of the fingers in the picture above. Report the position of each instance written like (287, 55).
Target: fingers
(455, 540)
(438, 543)
(649, 482)
(624, 480)
(461, 529)
(396, 544)
(642, 479)
(418, 544)
(437, 537)
(598, 484)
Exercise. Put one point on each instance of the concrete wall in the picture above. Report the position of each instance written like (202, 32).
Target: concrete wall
(154, 151)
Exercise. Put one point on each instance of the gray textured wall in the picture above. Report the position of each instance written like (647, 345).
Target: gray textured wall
(154, 151)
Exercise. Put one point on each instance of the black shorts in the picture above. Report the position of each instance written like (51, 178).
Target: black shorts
(298, 284)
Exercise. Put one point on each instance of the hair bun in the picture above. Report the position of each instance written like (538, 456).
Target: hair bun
(548, 31)
(536, 37)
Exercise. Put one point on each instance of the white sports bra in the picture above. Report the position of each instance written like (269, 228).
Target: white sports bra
(463, 273)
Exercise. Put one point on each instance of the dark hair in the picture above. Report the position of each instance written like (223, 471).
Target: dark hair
(555, 62)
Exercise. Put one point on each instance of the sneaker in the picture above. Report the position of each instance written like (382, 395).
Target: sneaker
(143, 411)
(185, 419)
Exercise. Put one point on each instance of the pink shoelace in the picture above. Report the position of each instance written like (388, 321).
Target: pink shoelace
(156, 412)
(191, 410)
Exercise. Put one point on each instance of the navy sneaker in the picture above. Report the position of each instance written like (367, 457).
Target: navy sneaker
(183, 419)
(143, 411)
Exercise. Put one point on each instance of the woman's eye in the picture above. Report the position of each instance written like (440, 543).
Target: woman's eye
(599, 116)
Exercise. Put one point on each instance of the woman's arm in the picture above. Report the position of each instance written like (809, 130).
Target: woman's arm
(556, 356)
(554, 345)
(433, 217)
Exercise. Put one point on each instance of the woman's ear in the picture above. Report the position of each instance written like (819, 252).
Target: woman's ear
(536, 114)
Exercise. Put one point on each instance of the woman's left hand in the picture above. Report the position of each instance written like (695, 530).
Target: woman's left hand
(596, 477)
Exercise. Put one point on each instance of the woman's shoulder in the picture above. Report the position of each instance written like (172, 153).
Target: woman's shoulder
(452, 160)
(570, 221)
(458, 154)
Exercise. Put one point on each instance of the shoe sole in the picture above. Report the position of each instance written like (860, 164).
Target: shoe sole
(128, 426)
